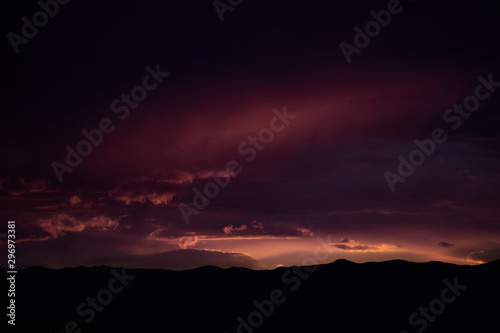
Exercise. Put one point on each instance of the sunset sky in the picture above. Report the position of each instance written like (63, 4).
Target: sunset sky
(321, 176)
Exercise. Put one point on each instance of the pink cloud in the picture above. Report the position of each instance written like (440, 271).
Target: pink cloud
(188, 241)
(60, 224)
(230, 229)
(129, 197)
(75, 200)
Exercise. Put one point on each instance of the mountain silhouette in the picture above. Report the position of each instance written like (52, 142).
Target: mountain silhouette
(338, 297)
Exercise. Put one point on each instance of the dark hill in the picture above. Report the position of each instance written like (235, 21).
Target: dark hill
(338, 297)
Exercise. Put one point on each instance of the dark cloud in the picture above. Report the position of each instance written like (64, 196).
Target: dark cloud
(355, 247)
(485, 255)
(445, 244)
(351, 245)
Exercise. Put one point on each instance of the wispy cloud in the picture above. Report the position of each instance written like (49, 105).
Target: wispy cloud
(60, 224)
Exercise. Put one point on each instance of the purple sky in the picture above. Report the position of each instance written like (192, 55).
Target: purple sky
(320, 175)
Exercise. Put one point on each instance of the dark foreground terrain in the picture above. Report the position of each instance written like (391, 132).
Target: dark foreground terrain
(338, 297)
